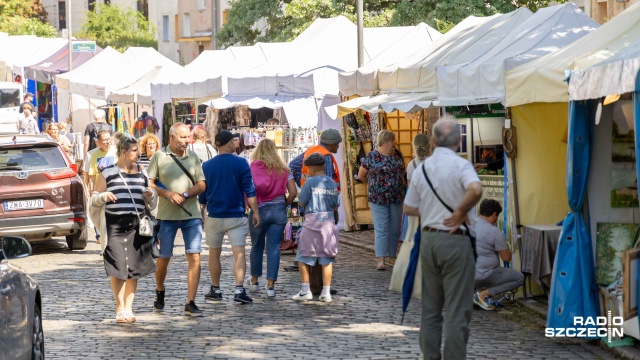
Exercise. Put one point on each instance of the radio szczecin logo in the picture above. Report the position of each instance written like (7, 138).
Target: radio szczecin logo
(590, 327)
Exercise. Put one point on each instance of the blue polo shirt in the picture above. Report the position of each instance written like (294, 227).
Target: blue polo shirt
(228, 178)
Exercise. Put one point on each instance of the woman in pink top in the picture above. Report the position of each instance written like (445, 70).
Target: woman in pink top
(272, 179)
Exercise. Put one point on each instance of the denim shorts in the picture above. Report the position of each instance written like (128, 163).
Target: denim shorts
(191, 233)
(311, 260)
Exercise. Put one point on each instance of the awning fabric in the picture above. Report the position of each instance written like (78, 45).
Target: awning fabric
(300, 111)
(616, 75)
(140, 91)
(547, 31)
(57, 63)
(405, 102)
(544, 79)
(96, 64)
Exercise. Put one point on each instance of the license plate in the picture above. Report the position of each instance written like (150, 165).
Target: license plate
(23, 205)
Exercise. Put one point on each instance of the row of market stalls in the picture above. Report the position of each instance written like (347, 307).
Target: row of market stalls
(557, 94)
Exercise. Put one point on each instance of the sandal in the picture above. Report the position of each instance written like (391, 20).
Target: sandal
(130, 318)
(121, 317)
(380, 265)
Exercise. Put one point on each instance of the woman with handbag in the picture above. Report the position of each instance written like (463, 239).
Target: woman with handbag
(123, 194)
(272, 179)
(383, 170)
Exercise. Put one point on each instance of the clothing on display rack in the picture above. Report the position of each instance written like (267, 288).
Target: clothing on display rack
(115, 116)
(145, 123)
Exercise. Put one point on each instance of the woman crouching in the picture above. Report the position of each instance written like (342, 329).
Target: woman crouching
(119, 200)
(318, 241)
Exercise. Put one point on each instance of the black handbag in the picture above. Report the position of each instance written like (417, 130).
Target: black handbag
(471, 238)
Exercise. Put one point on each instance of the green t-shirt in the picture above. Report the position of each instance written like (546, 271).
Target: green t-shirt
(163, 168)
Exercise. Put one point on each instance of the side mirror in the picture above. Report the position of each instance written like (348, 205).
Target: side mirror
(14, 247)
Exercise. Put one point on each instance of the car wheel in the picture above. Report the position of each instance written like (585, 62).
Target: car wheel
(78, 241)
(37, 337)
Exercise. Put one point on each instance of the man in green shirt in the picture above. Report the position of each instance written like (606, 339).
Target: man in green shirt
(178, 208)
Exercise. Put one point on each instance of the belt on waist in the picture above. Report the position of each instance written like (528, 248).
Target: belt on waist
(457, 232)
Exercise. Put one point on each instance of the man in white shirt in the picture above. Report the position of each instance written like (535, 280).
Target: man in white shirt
(446, 251)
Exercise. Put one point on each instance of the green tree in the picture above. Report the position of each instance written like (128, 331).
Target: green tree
(111, 25)
(24, 17)
(240, 28)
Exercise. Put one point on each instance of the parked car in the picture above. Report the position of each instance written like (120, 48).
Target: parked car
(41, 194)
(21, 333)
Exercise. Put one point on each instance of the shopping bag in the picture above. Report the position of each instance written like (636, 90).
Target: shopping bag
(402, 261)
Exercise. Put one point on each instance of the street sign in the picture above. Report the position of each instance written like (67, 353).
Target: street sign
(83, 46)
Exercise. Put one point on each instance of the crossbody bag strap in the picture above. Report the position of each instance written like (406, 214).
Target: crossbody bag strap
(183, 168)
(436, 193)
(130, 194)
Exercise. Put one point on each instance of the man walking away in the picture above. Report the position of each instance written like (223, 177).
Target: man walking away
(180, 173)
(445, 181)
(92, 130)
(492, 247)
(228, 180)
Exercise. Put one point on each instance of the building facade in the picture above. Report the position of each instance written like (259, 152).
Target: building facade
(604, 10)
(58, 18)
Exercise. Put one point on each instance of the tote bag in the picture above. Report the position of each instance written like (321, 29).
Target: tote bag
(410, 227)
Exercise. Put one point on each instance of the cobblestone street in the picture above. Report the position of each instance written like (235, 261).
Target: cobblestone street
(361, 323)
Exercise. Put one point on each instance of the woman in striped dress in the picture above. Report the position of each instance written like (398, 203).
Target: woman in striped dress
(149, 144)
(127, 255)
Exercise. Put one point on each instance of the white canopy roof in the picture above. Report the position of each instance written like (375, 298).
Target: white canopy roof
(458, 48)
(98, 63)
(616, 75)
(296, 108)
(547, 31)
(329, 44)
(363, 81)
(543, 80)
(11, 47)
(42, 49)
(140, 91)
(131, 66)
(405, 102)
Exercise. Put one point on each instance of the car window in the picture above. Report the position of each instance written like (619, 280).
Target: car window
(9, 98)
(37, 158)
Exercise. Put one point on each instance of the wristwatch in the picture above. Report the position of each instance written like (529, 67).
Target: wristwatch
(186, 195)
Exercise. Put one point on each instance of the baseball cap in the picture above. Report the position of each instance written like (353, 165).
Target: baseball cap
(224, 136)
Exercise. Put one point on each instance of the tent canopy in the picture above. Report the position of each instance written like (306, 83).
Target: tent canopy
(547, 31)
(41, 49)
(140, 91)
(47, 69)
(616, 75)
(131, 66)
(96, 64)
(543, 80)
(363, 81)
(11, 46)
(296, 108)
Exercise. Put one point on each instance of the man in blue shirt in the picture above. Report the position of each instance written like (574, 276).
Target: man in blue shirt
(228, 180)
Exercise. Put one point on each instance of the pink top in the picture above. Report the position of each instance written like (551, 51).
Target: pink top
(269, 184)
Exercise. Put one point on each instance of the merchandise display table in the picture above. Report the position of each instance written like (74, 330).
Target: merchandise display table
(537, 252)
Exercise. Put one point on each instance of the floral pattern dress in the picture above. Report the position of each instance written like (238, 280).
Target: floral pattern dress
(386, 178)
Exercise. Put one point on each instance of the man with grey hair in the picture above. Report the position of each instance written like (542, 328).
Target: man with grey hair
(92, 130)
(443, 192)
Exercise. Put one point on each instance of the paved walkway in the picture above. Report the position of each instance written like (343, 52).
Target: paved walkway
(361, 323)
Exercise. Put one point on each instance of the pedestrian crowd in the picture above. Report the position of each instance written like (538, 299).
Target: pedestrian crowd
(207, 193)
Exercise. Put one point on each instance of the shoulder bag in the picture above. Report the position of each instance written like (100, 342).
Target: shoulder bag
(471, 238)
(145, 226)
(193, 181)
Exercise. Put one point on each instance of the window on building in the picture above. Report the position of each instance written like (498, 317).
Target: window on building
(62, 15)
(201, 5)
(602, 12)
(165, 27)
(143, 7)
(224, 16)
(200, 49)
(186, 25)
(92, 5)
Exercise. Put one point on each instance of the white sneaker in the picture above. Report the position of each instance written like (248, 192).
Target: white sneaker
(325, 298)
(302, 297)
(271, 291)
(251, 286)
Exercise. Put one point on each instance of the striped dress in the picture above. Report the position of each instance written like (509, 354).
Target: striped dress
(127, 255)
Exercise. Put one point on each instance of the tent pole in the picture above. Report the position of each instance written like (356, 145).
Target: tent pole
(360, 11)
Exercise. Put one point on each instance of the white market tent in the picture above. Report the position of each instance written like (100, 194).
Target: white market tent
(131, 66)
(11, 47)
(80, 107)
(363, 81)
(140, 91)
(615, 75)
(482, 80)
(543, 80)
(415, 78)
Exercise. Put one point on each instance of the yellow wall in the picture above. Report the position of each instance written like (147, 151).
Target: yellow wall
(541, 162)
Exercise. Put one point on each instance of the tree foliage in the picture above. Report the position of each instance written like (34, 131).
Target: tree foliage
(111, 25)
(283, 20)
(25, 17)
